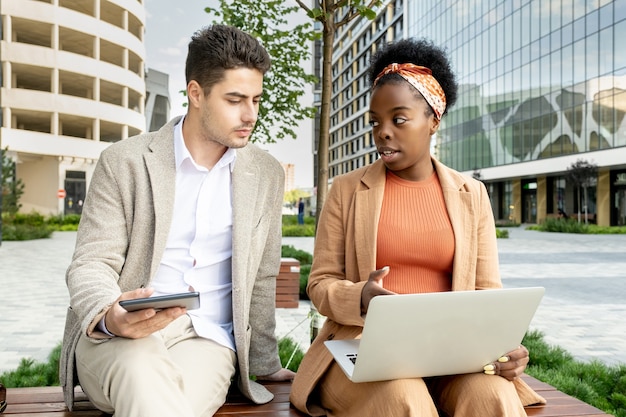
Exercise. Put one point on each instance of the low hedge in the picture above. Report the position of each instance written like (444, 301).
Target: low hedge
(572, 225)
(29, 226)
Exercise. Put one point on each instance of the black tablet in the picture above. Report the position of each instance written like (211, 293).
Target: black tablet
(190, 300)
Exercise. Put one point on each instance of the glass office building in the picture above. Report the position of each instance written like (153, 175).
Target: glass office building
(542, 84)
(351, 143)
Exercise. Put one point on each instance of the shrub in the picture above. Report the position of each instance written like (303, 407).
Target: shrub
(288, 251)
(25, 232)
(305, 270)
(66, 228)
(307, 230)
(292, 228)
(11, 187)
(290, 353)
(29, 226)
(30, 373)
(64, 220)
(564, 226)
(502, 234)
(32, 219)
(292, 219)
(595, 383)
(571, 225)
(606, 230)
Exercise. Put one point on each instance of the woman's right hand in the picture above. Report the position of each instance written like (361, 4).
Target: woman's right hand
(374, 287)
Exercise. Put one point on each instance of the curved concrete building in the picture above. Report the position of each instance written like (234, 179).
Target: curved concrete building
(73, 82)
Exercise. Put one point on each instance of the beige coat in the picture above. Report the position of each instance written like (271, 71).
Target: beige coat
(345, 254)
(124, 229)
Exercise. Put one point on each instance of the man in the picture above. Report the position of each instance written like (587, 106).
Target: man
(192, 207)
(300, 211)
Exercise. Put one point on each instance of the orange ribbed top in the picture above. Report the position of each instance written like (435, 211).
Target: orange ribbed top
(415, 237)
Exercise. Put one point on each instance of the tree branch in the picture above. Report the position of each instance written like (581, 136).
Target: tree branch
(352, 14)
(303, 6)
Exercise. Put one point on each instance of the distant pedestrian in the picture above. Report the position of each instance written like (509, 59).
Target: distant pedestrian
(300, 211)
(562, 214)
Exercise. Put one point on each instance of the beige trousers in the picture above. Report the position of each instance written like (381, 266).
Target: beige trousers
(170, 373)
(471, 395)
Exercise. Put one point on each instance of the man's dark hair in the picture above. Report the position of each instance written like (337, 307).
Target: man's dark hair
(214, 49)
(419, 52)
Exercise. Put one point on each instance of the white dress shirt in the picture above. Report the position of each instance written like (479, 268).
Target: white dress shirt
(198, 251)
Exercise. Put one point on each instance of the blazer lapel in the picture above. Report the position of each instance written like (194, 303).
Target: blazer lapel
(246, 177)
(368, 204)
(461, 214)
(161, 166)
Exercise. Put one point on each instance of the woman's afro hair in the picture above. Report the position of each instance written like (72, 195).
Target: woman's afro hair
(419, 52)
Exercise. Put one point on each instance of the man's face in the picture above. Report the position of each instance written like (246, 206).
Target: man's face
(229, 112)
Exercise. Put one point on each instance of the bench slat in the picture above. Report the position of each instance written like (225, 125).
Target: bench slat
(48, 402)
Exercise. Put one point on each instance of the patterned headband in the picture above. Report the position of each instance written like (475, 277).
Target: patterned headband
(422, 79)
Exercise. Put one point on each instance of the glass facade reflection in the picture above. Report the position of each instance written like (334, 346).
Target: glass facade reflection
(538, 79)
(542, 84)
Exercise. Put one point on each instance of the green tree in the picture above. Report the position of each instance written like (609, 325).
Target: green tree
(12, 187)
(288, 45)
(265, 20)
(293, 196)
(582, 174)
(331, 15)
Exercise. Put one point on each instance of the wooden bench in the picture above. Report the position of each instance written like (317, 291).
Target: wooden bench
(48, 402)
(288, 284)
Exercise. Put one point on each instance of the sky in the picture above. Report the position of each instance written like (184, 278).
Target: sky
(169, 26)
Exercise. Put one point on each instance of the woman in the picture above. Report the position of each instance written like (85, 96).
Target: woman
(404, 224)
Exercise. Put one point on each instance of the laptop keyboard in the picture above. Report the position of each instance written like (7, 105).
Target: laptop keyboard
(352, 357)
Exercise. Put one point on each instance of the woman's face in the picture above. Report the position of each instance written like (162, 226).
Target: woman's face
(403, 124)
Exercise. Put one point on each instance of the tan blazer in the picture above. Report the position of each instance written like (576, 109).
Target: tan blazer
(122, 235)
(345, 254)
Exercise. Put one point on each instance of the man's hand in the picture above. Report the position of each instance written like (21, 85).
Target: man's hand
(510, 366)
(280, 375)
(141, 323)
(374, 287)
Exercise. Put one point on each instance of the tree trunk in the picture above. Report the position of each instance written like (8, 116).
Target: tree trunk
(324, 134)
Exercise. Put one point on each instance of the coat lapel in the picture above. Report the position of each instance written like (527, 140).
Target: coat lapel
(462, 218)
(368, 204)
(161, 167)
(246, 177)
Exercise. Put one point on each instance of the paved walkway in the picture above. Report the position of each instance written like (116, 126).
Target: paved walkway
(583, 311)
(584, 308)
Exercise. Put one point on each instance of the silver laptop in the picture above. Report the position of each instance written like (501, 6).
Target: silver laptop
(431, 334)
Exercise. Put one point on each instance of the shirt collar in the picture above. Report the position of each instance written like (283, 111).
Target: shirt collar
(181, 153)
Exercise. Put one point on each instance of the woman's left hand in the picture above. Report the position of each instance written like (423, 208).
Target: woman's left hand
(510, 366)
